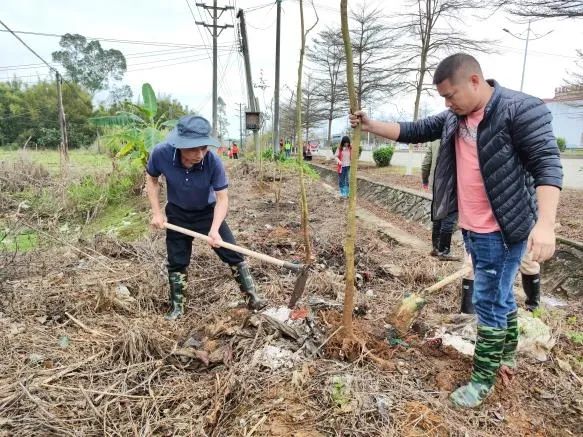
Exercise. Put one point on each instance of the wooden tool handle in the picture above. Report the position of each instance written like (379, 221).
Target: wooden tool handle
(238, 249)
(448, 279)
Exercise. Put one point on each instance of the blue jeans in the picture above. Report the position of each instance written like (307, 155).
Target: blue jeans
(343, 177)
(495, 267)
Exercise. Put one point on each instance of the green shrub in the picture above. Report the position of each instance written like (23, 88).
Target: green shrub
(294, 165)
(269, 155)
(562, 143)
(93, 192)
(382, 157)
(85, 198)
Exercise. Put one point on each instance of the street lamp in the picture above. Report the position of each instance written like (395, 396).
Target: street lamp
(527, 39)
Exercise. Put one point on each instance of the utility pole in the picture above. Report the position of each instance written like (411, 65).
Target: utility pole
(64, 149)
(276, 90)
(527, 40)
(241, 124)
(252, 102)
(214, 30)
(525, 53)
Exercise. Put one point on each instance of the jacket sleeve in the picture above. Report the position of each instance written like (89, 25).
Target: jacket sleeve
(424, 130)
(532, 134)
(426, 165)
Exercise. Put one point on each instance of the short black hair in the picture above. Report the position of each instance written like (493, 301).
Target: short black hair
(450, 66)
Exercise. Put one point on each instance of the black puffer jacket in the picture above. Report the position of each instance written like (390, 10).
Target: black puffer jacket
(517, 152)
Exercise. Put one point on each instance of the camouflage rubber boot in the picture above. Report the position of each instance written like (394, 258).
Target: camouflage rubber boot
(487, 356)
(511, 341)
(531, 287)
(242, 274)
(178, 283)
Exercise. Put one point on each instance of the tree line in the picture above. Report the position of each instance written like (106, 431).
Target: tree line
(397, 55)
(29, 114)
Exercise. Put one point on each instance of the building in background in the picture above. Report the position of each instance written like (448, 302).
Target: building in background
(567, 110)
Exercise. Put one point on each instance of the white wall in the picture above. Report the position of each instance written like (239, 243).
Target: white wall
(568, 121)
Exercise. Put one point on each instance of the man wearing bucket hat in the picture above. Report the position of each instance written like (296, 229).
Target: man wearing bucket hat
(198, 200)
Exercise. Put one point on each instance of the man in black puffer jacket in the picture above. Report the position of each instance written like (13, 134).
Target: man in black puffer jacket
(499, 167)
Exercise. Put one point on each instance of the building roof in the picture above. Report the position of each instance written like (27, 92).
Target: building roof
(567, 94)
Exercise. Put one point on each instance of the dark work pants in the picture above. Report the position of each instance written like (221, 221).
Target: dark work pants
(179, 246)
(446, 225)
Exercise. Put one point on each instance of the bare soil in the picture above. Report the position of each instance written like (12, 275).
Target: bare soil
(79, 358)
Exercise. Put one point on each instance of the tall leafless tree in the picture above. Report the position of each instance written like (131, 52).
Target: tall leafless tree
(431, 30)
(313, 110)
(327, 59)
(303, 196)
(372, 42)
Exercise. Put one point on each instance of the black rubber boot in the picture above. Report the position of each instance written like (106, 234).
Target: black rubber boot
(243, 276)
(467, 293)
(444, 248)
(531, 287)
(178, 282)
(435, 238)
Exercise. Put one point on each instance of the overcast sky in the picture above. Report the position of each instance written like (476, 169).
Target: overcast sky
(186, 73)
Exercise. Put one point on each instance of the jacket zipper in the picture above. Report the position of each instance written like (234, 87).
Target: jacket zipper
(485, 189)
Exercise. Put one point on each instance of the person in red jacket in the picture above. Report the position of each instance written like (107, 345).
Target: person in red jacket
(235, 151)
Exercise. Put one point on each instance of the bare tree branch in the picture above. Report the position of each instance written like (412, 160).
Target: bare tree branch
(543, 8)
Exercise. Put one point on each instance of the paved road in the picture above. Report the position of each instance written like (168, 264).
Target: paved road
(572, 168)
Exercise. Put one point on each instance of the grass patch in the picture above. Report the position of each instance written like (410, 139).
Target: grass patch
(22, 242)
(81, 160)
(576, 337)
(129, 221)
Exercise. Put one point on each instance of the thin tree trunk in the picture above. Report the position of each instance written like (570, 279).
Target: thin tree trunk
(303, 195)
(351, 213)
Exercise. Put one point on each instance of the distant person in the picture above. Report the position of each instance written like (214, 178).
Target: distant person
(235, 151)
(498, 166)
(288, 149)
(442, 230)
(343, 156)
(306, 152)
(197, 196)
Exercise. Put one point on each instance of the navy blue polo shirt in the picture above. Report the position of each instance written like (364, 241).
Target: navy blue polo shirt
(189, 188)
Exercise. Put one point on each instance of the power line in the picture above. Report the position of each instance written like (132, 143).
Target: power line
(121, 41)
(28, 47)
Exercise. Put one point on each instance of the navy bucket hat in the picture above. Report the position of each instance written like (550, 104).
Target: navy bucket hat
(192, 131)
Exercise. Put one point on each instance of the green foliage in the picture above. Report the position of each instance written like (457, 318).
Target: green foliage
(576, 337)
(22, 242)
(87, 64)
(295, 165)
(31, 111)
(562, 143)
(93, 193)
(382, 156)
(270, 155)
(134, 134)
(538, 313)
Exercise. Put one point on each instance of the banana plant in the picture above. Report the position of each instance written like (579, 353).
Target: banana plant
(135, 133)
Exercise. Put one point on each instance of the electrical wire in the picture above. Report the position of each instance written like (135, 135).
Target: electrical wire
(120, 41)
